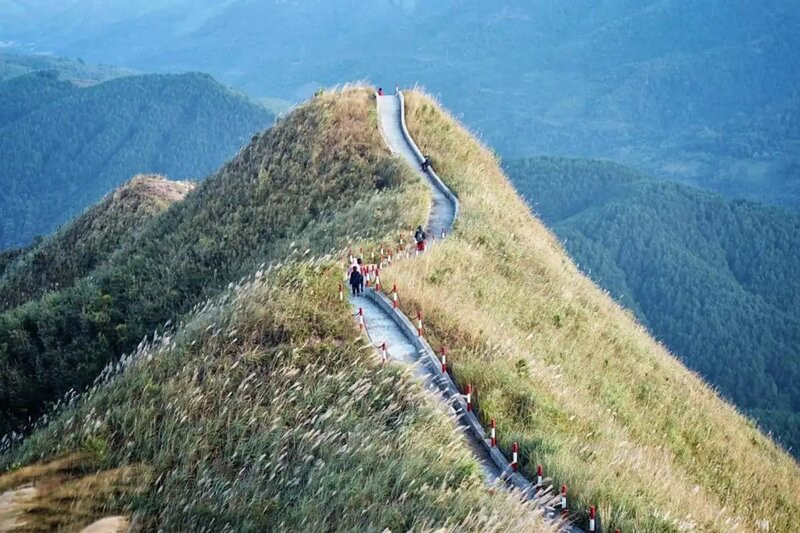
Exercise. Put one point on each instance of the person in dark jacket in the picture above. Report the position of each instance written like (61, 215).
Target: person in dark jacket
(420, 236)
(426, 163)
(356, 280)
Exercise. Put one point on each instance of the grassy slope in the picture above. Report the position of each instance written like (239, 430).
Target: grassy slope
(570, 375)
(718, 280)
(295, 187)
(265, 409)
(87, 241)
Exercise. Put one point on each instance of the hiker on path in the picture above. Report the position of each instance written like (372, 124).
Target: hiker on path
(363, 270)
(420, 236)
(426, 163)
(356, 280)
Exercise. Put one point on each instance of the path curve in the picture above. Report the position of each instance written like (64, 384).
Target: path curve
(386, 324)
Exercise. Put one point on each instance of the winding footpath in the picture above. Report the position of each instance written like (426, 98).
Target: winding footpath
(384, 324)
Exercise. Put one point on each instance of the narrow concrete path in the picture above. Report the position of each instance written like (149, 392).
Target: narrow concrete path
(443, 209)
(384, 324)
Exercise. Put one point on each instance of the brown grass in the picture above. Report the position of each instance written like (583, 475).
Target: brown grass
(69, 493)
(570, 375)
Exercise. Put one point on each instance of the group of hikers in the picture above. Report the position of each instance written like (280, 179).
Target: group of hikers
(357, 270)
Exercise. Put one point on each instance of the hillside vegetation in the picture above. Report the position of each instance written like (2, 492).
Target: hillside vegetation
(570, 375)
(58, 261)
(64, 147)
(263, 408)
(717, 280)
(282, 192)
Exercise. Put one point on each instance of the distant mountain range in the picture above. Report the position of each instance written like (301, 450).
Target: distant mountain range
(706, 94)
(63, 146)
(717, 280)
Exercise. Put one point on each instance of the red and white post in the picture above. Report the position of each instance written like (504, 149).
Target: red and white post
(493, 434)
(385, 352)
(444, 360)
(444, 233)
(591, 519)
(514, 456)
(341, 292)
(394, 296)
(419, 323)
(361, 324)
(564, 510)
(539, 476)
(469, 397)
(378, 279)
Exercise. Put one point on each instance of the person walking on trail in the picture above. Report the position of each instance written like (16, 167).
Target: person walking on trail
(356, 280)
(363, 270)
(426, 163)
(420, 236)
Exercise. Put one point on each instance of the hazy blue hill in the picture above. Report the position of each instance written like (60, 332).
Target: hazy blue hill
(717, 280)
(24, 94)
(76, 71)
(64, 147)
(674, 89)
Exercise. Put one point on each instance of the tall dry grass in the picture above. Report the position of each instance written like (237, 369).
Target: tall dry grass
(570, 375)
(263, 409)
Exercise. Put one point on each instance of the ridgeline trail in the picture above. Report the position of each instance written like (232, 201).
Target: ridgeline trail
(385, 324)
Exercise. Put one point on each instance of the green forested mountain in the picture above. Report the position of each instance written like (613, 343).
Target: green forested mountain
(705, 95)
(717, 280)
(76, 71)
(56, 262)
(63, 147)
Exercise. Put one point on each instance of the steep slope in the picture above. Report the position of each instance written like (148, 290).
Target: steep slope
(717, 280)
(62, 152)
(299, 186)
(569, 375)
(72, 253)
(264, 409)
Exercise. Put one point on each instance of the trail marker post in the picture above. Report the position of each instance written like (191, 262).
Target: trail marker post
(394, 296)
(539, 476)
(493, 434)
(564, 510)
(514, 456)
(591, 519)
(385, 352)
(341, 292)
(469, 397)
(419, 323)
(361, 324)
(378, 279)
(444, 360)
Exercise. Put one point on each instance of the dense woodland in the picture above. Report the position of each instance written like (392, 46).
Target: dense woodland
(717, 280)
(63, 147)
(252, 210)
